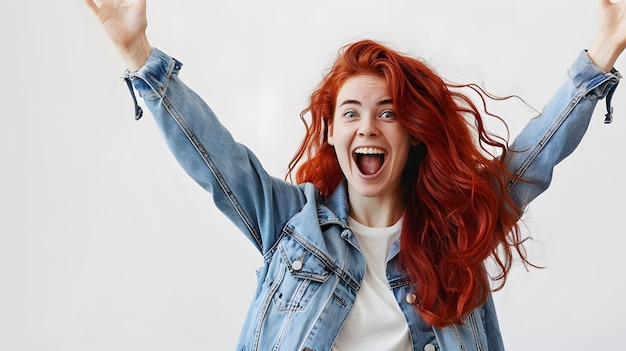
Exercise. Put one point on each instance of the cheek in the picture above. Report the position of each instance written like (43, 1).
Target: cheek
(404, 147)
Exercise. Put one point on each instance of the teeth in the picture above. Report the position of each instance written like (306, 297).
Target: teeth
(369, 151)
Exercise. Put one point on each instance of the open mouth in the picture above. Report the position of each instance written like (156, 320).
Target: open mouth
(369, 160)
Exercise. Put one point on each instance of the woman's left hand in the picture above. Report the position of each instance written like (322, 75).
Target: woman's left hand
(611, 39)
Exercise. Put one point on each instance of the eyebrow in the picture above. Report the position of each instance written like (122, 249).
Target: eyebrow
(358, 103)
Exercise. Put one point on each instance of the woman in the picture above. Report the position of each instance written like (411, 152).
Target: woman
(382, 243)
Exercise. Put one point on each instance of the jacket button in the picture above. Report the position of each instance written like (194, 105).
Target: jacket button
(296, 265)
(430, 347)
(410, 299)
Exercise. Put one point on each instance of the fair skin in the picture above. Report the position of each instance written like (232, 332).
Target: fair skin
(365, 127)
(375, 199)
(125, 22)
(611, 38)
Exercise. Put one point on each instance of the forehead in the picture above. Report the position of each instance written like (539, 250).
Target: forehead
(363, 88)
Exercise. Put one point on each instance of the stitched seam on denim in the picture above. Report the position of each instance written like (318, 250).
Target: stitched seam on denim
(341, 301)
(283, 332)
(287, 323)
(270, 253)
(300, 294)
(148, 78)
(316, 277)
(156, 91)
(342, 274)
(604, 83)
(437, 339)
(398, 283)
(213, 168)
(297, 303)
(338, 271)
(575, 100)
(457, 336)
(263, 312)
(475, 331)
(544, 140)
(311, 333)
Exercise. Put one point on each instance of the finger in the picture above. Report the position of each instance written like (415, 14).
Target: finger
(94, 5)
(607, 3)
(618, 2)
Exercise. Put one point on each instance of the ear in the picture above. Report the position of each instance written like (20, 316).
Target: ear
(330, 139)
(415, 141)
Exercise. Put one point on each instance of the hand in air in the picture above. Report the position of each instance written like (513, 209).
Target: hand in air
(125, 21)
(611, 39)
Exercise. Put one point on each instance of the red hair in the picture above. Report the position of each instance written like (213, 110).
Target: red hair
(458, 212)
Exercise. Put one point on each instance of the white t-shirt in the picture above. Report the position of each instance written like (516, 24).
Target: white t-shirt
(375, 321)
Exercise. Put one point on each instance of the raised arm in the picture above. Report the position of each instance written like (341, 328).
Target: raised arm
(548, 139)
(257, 203)
(611, 39)
(126, 24)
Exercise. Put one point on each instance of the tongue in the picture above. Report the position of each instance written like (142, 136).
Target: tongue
(370, 164)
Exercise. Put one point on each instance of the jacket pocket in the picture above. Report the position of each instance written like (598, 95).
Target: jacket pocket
(303, 274)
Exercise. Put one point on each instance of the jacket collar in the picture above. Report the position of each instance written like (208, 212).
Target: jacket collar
(335, 210)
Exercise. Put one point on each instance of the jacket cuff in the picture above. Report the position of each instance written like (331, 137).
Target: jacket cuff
(594, 82)
(151, 80)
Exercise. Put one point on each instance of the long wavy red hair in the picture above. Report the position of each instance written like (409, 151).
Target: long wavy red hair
(458, 212)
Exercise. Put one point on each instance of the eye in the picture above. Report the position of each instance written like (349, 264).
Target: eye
(349, 114)
(387, 114)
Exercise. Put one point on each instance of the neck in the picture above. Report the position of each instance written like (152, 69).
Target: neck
(376, 212)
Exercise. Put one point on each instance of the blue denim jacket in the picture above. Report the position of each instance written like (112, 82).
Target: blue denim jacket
(312, 266)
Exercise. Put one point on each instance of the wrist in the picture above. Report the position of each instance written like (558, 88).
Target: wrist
(136, 54)
(604, 52)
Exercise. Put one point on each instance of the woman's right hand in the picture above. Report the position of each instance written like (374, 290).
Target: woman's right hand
(125, 21)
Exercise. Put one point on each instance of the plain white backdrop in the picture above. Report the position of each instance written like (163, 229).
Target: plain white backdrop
(105, 243)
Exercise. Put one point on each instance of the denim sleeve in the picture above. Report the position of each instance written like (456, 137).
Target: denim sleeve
(241, 188)
(549, 138)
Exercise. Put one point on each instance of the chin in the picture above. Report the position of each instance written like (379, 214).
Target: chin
(372, 191)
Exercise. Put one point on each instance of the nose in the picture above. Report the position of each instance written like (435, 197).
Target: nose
(368, 127)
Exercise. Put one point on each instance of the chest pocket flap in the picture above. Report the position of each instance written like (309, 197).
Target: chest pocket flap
(301, 263)
(302, 275)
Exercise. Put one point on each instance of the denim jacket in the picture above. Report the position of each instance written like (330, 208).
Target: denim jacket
(312, 267)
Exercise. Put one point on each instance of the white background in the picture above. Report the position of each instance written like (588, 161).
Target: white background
(105, 243)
